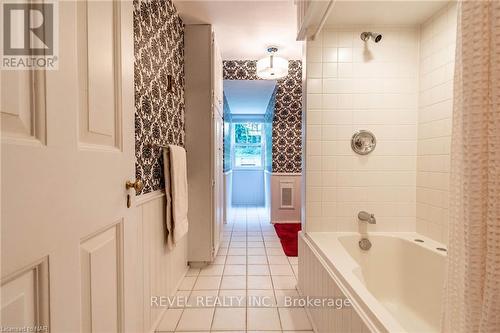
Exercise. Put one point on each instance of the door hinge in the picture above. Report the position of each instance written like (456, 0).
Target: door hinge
(213, 182)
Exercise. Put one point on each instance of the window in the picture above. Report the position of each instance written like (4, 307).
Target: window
(248, 141)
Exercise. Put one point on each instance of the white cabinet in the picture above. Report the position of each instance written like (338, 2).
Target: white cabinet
(204, 139)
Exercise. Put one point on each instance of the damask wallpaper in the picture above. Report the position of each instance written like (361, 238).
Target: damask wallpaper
(159, 111)
(287, 121)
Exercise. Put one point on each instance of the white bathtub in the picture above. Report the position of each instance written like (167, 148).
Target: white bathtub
(395, 286)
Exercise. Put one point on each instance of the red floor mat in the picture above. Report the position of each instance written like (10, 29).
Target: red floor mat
(288, 234)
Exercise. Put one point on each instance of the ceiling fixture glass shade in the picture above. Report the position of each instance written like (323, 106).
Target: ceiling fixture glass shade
(272, 67)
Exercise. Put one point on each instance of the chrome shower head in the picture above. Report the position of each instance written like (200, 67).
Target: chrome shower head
(373, 35)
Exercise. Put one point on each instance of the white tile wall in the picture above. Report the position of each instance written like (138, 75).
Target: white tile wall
(351, 86)
(437, 57)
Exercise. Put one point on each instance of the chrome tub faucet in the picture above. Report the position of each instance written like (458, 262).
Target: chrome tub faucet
(367, 217)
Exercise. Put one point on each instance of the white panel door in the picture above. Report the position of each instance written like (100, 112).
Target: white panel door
(67, 151)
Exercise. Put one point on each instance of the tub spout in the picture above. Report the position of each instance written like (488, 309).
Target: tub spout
(367, 217)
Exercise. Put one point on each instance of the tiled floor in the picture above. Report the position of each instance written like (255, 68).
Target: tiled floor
(251, 275)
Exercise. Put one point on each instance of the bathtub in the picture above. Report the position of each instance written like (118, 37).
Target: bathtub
(395, 286)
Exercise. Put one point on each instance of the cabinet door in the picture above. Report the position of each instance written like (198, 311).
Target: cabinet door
(217, 75)
(218, 188)
(220, 174)
(218, 132)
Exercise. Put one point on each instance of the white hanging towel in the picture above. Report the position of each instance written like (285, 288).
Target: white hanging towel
(175, 170)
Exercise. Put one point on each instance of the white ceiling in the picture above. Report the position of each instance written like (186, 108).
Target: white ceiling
(372, 12)
(249, 97)
(244, 29)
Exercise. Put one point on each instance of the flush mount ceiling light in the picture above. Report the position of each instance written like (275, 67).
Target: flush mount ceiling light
(272, 67)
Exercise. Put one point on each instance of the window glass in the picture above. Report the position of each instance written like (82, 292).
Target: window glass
(248, 145)
(248, 133)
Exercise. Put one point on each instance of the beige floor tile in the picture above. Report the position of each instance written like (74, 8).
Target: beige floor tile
(202, 298)
(285, 298)
(180, 299)
(277, 260)
(255, 244)
(229, 319)
(169, 321)
(187, 283)
(232, 298)
(250, 246)
(237, 251)
(270, 237)
(284, 282)
(238, 244)
(258, 269)
(259, 282)
(294, 319)
(263, 319)
(235, 270)
(273, 244)
(207, 283)
(236, 260)
(275, 251)
(261, 298)
(257, 260)
(233, 282)
(281, 270)
(256, 251)
(197, 319)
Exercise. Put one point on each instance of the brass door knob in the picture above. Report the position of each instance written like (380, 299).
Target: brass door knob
(137, 185)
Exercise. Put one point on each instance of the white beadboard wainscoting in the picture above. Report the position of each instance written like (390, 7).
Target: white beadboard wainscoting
(316, 280)
(162, 269)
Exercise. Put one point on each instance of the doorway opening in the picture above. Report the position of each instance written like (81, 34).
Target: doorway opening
(248, 117)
